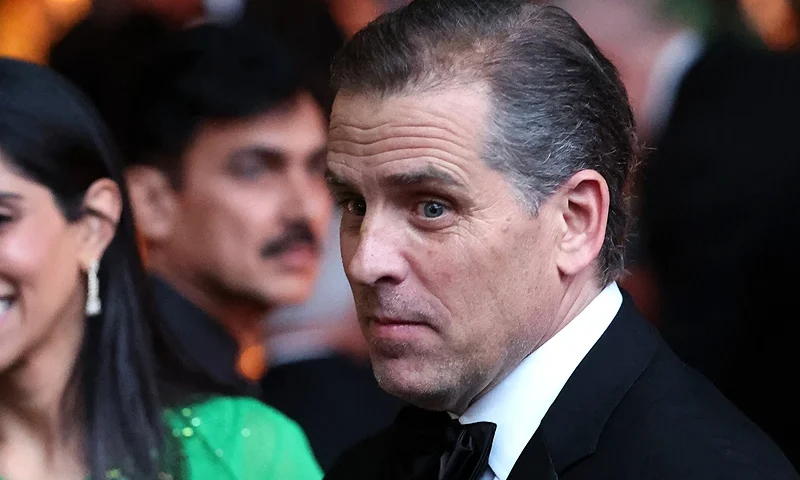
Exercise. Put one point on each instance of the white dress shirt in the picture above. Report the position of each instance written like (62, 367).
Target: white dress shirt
(519, 402)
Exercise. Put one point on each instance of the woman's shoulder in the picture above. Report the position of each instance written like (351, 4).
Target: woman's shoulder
(247, 437)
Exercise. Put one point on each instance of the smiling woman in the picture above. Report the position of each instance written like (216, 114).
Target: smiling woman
(79, 395)
(61, 212)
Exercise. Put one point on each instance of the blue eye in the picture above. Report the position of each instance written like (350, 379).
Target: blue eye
(433, 209)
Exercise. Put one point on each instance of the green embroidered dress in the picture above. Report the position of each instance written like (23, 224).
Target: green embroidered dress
(233, 438)
(228, 438)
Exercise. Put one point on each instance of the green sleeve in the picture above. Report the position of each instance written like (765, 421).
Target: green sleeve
(240, 439)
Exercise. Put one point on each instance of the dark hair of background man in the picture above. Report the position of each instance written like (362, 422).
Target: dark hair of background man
(210, 72)
(155, 87)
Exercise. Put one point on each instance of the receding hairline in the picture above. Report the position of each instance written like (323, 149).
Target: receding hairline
(462, 59)
(460, 112)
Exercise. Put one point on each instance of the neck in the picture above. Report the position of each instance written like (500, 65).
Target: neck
(39, 401)
(576, 294)
(242, 317)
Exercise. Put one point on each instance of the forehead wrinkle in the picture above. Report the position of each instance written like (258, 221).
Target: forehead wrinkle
(342, 174)
(402, 142)
(414, 118)
(372, 135)
(436, 115)
(443, 129)
(399, 152)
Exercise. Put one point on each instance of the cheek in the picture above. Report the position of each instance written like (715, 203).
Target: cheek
(455, 271)
(483, 280)
(322, 213)
(230, 227)
(42, 265)
(29, 252)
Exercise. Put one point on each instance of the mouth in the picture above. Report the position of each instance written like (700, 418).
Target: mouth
(393, 321)
(398, 329)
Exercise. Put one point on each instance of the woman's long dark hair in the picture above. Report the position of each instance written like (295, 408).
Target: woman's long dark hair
(52, 135)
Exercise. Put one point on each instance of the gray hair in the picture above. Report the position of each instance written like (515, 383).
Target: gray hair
(557, 104)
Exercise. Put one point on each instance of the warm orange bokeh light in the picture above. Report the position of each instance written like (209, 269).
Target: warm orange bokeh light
(28, 28)
(775, 21)
(353, 15)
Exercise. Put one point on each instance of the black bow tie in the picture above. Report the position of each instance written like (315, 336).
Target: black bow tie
(432, 446)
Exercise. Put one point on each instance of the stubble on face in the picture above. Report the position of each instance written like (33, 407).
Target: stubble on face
(470, 268)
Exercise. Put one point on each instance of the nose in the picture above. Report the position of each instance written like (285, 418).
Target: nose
(373, 254)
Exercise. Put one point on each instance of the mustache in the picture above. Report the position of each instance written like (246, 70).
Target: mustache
(296, 234)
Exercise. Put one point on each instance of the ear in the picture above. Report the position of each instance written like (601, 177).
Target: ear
(102, 205)
(154, 202)
(583, 215)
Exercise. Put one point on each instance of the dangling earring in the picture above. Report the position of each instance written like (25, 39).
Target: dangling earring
(93, 305)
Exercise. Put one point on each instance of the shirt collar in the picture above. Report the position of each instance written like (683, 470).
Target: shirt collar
(519, 402)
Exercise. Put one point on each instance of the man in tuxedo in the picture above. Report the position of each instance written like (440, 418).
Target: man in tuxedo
(480, 151)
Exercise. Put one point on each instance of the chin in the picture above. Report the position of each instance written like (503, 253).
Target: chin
(289, 293)
(419, 385)
(291, 298)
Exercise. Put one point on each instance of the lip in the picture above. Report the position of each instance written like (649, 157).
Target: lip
(389, 321)
(397, 329)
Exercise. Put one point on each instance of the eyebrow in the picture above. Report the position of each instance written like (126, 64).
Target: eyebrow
(430, 174)
(264, 152)
(427, 175)
(4, 196)
(274, 154)
(336, 181)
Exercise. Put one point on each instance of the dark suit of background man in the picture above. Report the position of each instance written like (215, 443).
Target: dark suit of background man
(481, 151)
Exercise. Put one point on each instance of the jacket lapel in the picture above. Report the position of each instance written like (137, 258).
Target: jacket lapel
(534, 463)
(572, 426)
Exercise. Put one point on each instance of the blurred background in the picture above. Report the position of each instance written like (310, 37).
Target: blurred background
(714, 86)
(29, 28)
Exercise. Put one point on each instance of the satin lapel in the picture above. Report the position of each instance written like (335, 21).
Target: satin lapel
(574, 423)
(535, 462)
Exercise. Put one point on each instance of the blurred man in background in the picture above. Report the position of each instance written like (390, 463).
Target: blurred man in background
(652, 50)
(225, 135)
(227, 159)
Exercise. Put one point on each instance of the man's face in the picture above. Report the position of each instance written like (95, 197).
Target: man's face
(253, 207)
(450, 272)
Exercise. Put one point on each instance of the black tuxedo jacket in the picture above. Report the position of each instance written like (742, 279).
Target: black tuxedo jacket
(631, 410)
